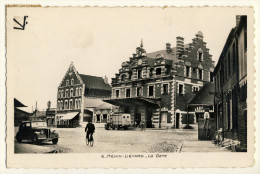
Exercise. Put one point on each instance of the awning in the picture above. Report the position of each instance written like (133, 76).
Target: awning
(134, 101)
(68, 116)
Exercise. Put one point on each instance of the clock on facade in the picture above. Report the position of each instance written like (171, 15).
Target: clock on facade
(139, 62)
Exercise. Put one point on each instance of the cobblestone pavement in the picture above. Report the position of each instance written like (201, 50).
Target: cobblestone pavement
(72, 140)
(120, 141)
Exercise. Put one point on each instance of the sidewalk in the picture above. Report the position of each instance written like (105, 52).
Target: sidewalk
(201, 146)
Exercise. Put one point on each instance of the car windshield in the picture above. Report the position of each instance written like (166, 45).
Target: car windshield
(39, 124)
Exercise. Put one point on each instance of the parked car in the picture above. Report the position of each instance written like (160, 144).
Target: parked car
(37, 132)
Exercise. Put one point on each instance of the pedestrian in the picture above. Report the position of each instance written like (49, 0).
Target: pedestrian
(142, 125)
(90, 129)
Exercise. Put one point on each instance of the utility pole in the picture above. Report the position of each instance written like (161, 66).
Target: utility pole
(35, 110)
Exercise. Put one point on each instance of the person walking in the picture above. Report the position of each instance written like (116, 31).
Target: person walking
(142, 125)
(90, 129)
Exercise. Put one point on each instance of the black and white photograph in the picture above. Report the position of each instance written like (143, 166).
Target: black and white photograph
(130, 84)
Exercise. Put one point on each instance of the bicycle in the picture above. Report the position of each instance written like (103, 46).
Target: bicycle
(91, 140)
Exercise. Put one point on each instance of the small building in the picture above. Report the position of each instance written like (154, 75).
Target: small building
(103, 112)
(201, 103)
(77, 96)
(156, 86)
(230, 77)
(20, 114)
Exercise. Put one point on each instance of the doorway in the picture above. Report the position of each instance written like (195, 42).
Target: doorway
(177, 120)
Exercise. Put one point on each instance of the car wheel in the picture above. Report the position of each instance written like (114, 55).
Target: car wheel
(18, 138)
(35, 139)
(55, 141)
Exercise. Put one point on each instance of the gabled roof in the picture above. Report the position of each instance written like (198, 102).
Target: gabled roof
(204, 96)
(92, 102)
(169, 56)
(93, 82)
(17, 103)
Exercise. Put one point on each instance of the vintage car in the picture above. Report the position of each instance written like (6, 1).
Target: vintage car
(37, 132)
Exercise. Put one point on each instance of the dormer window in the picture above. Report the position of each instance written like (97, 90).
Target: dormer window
(139, 74)
(158, 71)
(67, 82)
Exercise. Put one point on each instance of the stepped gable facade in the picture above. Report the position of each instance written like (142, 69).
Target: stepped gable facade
(157, 86)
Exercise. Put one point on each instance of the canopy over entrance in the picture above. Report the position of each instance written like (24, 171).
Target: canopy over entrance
(134, 101)
(68, 116)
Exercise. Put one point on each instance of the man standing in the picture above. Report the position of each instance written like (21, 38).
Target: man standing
(90, 129)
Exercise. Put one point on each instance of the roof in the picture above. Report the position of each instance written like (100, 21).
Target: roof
(92, 102)
(17, 103)
(105, 105)
(169, 56)
(95, 82)
(204, 96)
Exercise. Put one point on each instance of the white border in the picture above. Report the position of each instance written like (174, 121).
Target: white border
(111, 3)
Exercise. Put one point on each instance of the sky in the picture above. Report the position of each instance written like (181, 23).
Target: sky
(97, 41)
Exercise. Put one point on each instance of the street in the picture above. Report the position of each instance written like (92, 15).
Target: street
(72, 140)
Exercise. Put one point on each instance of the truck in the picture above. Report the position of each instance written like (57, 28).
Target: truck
(118, 121)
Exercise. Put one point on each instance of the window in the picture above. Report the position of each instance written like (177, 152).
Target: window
(127, 92)
(70, 104)
(58, 105)
(117, 93)
(67, 82)
(194, 70)
(181, 89)
(139, 91)
(80, 91)
(139, 74)
(211, 77)
(72, 82)
(200, 74)
(61, 105)
(77, 91)
(200, 56)
(123, 77)
(151, 93)
(76, 104)
(79, 104)
(165, 88)
(66, 104)
(187, 71)
(67, 93)
(195, 89)
(158, 71)
(61, 94)
(71, 92)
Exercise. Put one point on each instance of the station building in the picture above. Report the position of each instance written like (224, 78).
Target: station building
(157, 86)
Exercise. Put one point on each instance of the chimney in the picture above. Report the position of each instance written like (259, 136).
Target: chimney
(179, 45)
(106, 79)
(168, 47)
(237, 19)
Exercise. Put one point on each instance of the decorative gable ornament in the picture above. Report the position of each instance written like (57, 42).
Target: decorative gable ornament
(187, 63)
(200, 66)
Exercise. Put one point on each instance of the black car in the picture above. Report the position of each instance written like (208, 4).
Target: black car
(37, 132)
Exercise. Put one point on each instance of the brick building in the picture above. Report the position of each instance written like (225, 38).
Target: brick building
(77, 96)
(230, 77)
(157, 86)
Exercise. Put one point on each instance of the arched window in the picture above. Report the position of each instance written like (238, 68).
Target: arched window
(66, 104)
(61, 105)
(77, 91)
(67, 82)
(58, 107)
(72, 82)
(61, 94)
(71, 92)
(70, 104)
(80, 91)
(79, 104)
(76, 104)
(200, 54)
